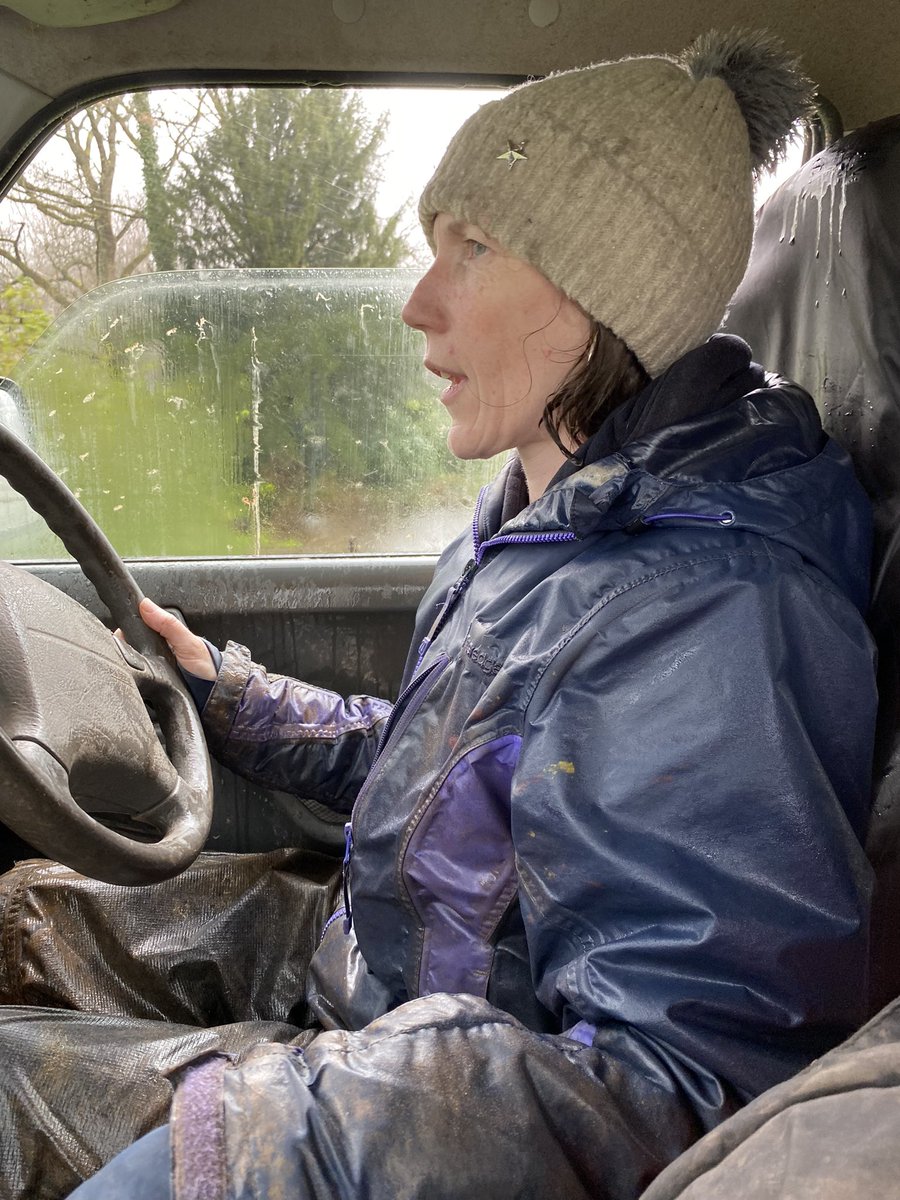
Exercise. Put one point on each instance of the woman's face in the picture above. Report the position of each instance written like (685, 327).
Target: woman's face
(502, 335)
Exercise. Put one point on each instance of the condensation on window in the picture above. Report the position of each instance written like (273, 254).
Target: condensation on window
(247, 412)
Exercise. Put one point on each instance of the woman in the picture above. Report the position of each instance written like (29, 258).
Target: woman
(604, 880)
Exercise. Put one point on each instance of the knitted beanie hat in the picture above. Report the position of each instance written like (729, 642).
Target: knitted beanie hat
(629, 184)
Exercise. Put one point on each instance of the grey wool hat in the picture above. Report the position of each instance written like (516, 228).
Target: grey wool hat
(629, 184)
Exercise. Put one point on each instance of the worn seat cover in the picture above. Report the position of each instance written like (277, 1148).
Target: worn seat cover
(109, 991)
(830, 1133)
(820, 303)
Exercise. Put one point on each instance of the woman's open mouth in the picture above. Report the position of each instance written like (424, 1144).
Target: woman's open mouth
(456, 382)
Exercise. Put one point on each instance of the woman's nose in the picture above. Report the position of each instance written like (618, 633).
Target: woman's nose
(421, 310)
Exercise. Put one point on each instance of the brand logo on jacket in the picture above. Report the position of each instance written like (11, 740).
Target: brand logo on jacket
(486, 658)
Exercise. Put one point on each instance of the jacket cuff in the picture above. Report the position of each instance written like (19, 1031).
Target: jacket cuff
(223, 702)
(201, 688)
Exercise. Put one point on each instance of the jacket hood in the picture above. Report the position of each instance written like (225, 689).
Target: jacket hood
(714, 441)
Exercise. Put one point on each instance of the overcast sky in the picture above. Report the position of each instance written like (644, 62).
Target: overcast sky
(420, 125)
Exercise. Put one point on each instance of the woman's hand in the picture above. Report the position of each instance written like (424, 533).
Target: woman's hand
(191, 652)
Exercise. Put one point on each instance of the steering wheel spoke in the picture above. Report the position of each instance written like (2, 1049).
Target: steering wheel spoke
(75, 735)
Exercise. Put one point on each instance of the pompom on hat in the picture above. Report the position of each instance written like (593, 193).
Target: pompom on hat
(629, 184)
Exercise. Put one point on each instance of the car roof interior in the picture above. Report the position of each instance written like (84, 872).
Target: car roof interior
(56, 55)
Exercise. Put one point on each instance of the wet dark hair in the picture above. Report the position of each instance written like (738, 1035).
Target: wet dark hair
(604, 375)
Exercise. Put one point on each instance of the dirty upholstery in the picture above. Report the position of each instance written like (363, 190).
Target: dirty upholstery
(107, 992)
(821, 304)
(829, 1133)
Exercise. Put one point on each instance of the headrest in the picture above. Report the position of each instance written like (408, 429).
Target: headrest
(820, 302)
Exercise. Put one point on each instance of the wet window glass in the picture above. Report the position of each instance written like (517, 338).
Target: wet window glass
(200, 324)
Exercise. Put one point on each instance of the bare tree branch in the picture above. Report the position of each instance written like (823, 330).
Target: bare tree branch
(82, 226)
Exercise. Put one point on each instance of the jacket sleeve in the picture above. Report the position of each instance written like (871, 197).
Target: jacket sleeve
(285, 734)
(443, 1097)
(688, 809)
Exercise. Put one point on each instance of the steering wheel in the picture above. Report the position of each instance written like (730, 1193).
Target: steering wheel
(84, 777)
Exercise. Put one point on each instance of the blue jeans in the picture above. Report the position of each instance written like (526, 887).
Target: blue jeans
(141, 1172)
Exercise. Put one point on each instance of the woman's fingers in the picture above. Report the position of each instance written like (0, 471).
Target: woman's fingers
(191, 652)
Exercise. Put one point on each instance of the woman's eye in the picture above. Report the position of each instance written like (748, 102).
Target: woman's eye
(476, 249)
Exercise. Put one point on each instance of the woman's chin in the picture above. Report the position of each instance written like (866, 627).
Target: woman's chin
(461, 444)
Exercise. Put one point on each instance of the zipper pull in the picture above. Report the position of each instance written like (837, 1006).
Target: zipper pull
(345, 877)
(463, 582)
(452, 596)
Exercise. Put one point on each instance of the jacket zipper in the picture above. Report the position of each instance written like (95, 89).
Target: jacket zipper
(457, 589)
(335, 916)
(506, 539)
(446, 608)
(478, 549)
(401, 715)
(394, 726)
(345, 879)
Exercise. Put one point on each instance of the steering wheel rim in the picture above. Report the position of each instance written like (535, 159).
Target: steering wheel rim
(50, 819)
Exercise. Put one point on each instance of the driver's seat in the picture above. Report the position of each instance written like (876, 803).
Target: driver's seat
(820, 304)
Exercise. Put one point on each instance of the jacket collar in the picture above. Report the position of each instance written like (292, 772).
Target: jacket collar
(753, 459)
(711, 423)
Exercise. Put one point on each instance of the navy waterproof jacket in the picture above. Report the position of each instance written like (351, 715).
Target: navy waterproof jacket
(604, 879)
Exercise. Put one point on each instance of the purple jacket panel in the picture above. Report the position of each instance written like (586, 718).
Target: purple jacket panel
(459, 869)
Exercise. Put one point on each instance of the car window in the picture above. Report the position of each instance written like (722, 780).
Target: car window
(769, 181)
(202, 334)
(199, 323)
